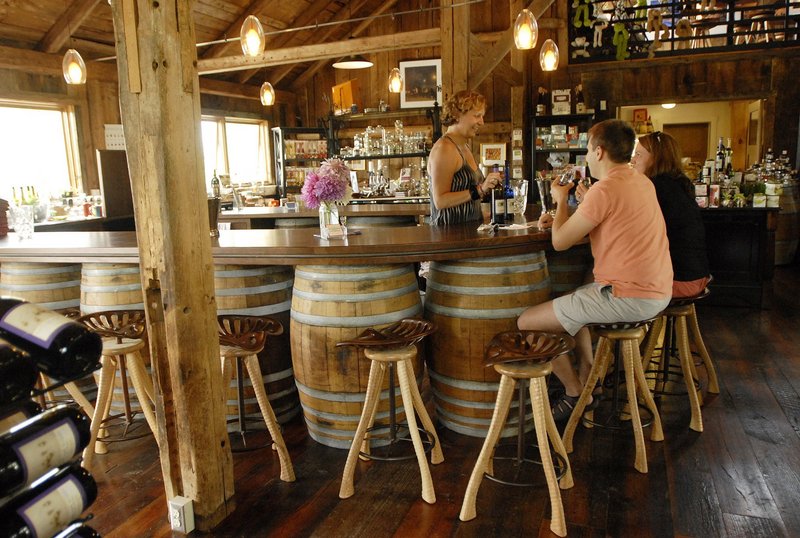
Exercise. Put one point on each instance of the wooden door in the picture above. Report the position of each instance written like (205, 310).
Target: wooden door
(692, 138)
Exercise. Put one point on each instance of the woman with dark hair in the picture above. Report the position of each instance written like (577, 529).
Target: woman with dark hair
(658, 156)
(457, 184)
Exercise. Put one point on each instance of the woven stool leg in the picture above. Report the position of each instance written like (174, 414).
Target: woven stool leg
(376, 371)
(424, 417)
(557, 523)
(630, 384)
(144, 389)
(685, 354)
(257, 380)
(697, 338)
(566, 481)
(656, 433)
(501, 407)
(599, 367)
(104, 389)
(406, 379)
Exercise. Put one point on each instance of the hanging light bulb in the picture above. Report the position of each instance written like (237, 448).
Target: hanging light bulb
(252, 36)
(395, 81)
(526, 30)
(73, 67)
(548, 56)
(267, 94)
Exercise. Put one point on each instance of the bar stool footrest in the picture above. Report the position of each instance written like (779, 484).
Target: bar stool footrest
(503, 464)
(613, 421)
(390, 442)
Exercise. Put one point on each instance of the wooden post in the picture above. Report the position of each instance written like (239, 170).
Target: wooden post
(454, 25)
(160, 106)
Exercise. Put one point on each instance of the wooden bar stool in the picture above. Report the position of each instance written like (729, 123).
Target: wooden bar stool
(393, 346)
(625, 337)
(520, 356)
(679, 319)
(123, 337)
(241, 338)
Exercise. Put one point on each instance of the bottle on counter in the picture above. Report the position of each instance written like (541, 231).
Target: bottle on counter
(499, 207)
(719, 161)
(19, 414)
(33, 447)
(215, 190)
(61, 348)
(729, 159)
(18, 374)
(50, 504)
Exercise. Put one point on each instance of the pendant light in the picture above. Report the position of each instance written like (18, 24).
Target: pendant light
(395, 81)
(548, 56)
(353, 62)
(267, 94)
(526, 30)
(73, 67)
(252, 36)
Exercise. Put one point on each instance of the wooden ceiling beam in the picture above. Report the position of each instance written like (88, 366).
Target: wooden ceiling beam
(504, 70)
(73, 17)
(361, 45)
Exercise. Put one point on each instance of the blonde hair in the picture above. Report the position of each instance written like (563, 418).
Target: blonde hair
(459, 104)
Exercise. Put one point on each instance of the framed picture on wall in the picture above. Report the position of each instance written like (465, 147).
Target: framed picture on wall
(359, 164)
(493, 154)
(422, 83)
(640, 114)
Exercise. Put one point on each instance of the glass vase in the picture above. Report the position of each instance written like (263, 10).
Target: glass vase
(328, 214)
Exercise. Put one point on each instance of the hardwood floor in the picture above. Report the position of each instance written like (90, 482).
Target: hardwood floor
(739, 478)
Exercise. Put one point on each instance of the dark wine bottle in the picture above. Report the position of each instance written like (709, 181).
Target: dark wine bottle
(60, 347)
(18, 374)
(21, 412)
(78, 530)
(48, 440)
(50, 504)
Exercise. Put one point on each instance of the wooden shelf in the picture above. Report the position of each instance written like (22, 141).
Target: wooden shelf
(390, 156)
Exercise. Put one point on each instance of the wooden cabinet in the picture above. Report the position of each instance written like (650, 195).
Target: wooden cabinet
(297, 151)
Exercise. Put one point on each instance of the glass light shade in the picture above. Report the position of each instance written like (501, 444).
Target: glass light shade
(526, 30)
(548, 56)
(395, 81)
(352, 62)
(73, 67)
(267, 94)
(252, 36)
(667, 105)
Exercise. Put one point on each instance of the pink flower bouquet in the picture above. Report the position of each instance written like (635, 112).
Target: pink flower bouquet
(328, 185)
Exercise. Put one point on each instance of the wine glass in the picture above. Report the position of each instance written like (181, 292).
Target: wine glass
(520, 190)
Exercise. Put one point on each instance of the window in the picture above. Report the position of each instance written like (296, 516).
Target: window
(238, 148)
(40, 151)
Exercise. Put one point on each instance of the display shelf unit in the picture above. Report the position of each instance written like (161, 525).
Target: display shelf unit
(297, 150)
(539, 153)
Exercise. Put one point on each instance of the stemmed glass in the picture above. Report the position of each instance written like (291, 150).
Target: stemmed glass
(519, 188)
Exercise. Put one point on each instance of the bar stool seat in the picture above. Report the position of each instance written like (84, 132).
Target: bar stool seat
(520, 356)
(679, 321)
(241, 338)
(625, 337)
(386, 348)
(123, 333)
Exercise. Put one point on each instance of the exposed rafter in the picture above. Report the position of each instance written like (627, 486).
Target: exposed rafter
(72, 18)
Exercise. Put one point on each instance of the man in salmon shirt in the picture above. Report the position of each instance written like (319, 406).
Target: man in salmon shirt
(632, 266)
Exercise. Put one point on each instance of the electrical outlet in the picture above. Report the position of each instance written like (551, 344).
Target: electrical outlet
(181, 514)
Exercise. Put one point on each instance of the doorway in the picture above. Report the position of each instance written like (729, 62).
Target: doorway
(692, 137)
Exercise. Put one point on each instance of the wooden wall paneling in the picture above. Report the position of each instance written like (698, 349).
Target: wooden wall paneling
(786, 92)
(162, 132)
(739, 119)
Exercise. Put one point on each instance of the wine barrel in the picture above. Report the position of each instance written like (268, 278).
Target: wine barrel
(332, 304)
(470, 301)
(111, 286)
(568, 268)
(56, 286)
(260, 291)
(787, 233)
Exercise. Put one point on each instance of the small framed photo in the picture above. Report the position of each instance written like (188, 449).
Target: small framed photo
(516, 172)
(701, 189)
(422, 83)
(359, 164)
(640, 114)
(516, 154)
(493, 154)
(702, 201)
(516, 135)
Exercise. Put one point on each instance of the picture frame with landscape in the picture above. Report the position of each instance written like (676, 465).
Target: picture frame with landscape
(422, 86)
(493, 154)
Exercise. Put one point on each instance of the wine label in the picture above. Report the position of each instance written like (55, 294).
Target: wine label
(34, 323)
(51, 447)
(54, 509)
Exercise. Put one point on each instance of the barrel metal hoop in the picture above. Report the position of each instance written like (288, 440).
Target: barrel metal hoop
(358, 321)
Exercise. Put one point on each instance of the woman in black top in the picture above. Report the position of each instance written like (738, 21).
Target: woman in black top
(658, 156)
(457, 184)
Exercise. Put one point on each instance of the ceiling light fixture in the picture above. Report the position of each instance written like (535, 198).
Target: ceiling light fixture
(252, 36)
(395, 81)
(668, 105)
(353, 62)
(548, 56)
(73, 67)
(526, 30)
(267, 94)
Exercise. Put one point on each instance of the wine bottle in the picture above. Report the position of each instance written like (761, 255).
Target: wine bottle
(215, 190)
(78, 530)
(18, 373)
(50, 504)
(719, 162)
(22, 411)
(60, 347)
(34, 446)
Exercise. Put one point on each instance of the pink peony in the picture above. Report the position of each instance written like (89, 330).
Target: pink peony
(329, 184)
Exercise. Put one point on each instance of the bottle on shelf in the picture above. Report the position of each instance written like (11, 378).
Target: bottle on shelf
(20, 412)
(50, 504)
(719, 161)
(729, 158)
(18, 374)
(215, 190)
(62, 349)
(33, 447)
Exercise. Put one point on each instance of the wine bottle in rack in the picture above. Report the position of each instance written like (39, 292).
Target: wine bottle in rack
(18, 374)
(31, 448)
(20, 412)
(60, 347)
(78, 530)
(50, 504)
